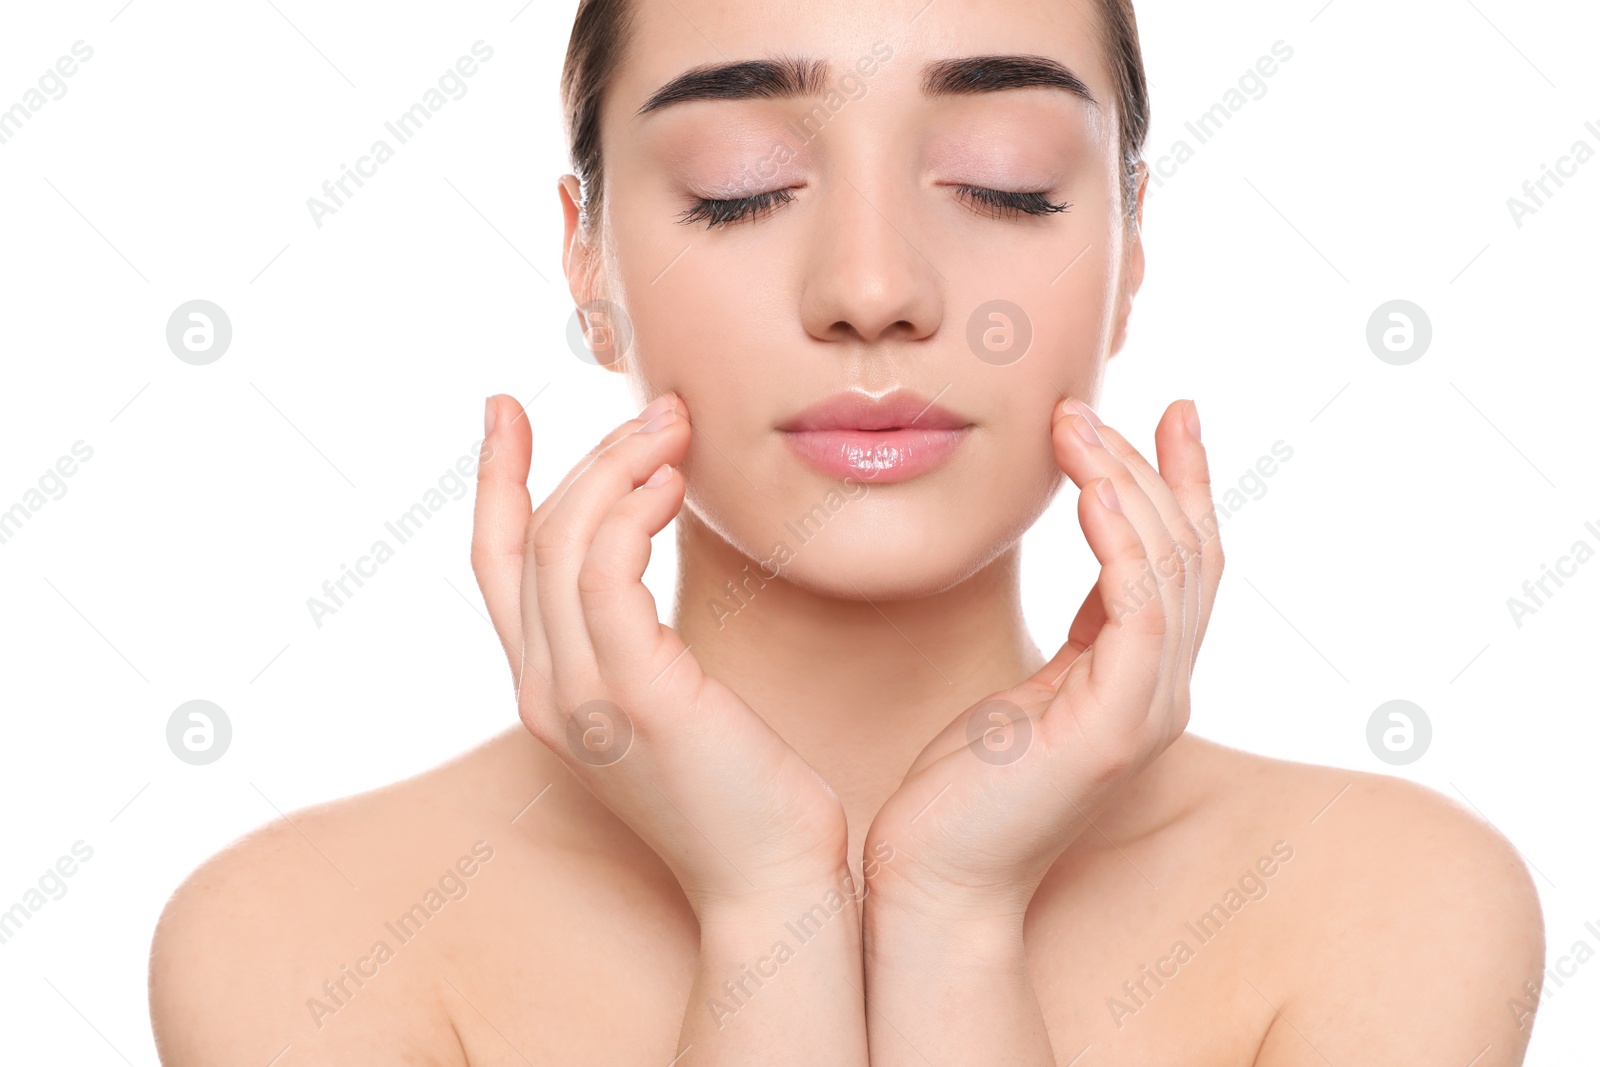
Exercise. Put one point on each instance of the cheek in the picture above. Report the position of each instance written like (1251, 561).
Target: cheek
(701, 315)
(1054, 290)
(1078, 308)
(724, 357)
(1062, 308)
(716, 318)
(1019, 474)
(716, 330)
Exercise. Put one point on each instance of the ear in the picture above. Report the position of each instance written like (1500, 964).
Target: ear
(580, 259)
(1132, 264)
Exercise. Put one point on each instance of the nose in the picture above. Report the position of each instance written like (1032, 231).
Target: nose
(866, 282)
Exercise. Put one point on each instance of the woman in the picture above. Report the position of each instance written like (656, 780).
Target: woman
(865, 263)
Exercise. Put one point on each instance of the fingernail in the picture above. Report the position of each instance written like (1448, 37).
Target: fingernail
(660, 422)
(656, 407)
(488, 417)
(1088, 432)
(1108, 495)
(660, 477)
(1086, 411)
(1191, 419)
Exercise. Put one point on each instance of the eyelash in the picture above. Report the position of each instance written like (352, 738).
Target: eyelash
(995, 203)
(1006, 205)
(721, 212)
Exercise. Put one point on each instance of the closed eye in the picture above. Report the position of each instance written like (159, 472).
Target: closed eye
(995, 203)
(1000, 204)
(722, 212)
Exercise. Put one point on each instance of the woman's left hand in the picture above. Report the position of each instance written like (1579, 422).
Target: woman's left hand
(997, 796)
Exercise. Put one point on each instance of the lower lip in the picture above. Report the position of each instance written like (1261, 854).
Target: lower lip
(875, 456)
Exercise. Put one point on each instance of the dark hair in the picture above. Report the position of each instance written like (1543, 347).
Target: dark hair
(1121, 41)
(603, 28)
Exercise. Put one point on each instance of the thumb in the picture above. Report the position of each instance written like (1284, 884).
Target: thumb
(500, 516)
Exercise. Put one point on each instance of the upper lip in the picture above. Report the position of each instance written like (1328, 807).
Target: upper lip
(899, 409)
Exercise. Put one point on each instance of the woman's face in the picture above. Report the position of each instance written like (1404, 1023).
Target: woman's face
(809, 328)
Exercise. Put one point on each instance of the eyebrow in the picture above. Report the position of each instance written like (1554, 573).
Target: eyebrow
(799, 77)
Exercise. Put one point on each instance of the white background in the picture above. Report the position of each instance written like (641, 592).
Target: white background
(177, 565)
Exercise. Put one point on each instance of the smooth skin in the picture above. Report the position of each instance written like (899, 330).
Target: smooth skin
(607, 921)
(828, 839)
(754, 835)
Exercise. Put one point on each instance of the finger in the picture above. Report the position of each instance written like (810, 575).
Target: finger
(631, 646)
(1186, 535)
(1086, 626)
(1187, 469)
(1173, 515)
(500, 514)
(1084, 453)
(1121, 672)
(535, 646)
(651, 410)
(562, 541)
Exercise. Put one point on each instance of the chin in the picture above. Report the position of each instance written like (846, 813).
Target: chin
(883, 543)
(867, 570)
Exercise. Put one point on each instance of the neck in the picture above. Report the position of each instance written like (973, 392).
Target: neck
(856, 688)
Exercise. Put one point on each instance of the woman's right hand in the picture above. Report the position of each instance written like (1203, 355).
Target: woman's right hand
(677, 755)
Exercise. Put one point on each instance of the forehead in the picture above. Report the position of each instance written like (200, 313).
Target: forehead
(672, 36)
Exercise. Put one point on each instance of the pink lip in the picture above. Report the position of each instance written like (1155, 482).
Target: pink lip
(892, 438)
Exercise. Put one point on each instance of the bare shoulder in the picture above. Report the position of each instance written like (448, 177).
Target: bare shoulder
(1410, 926)
(326, 931)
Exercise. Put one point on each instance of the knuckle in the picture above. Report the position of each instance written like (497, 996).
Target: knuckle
(1195, 564)
(621, 433)
(551, 543)
(596, 576)
(1132, 551)
(613, 457)
(1188, 536)
(1174, 566)
(1144, 616)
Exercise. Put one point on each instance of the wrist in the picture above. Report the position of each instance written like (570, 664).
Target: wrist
(918, 939)
(906, 892)
(821, 898)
